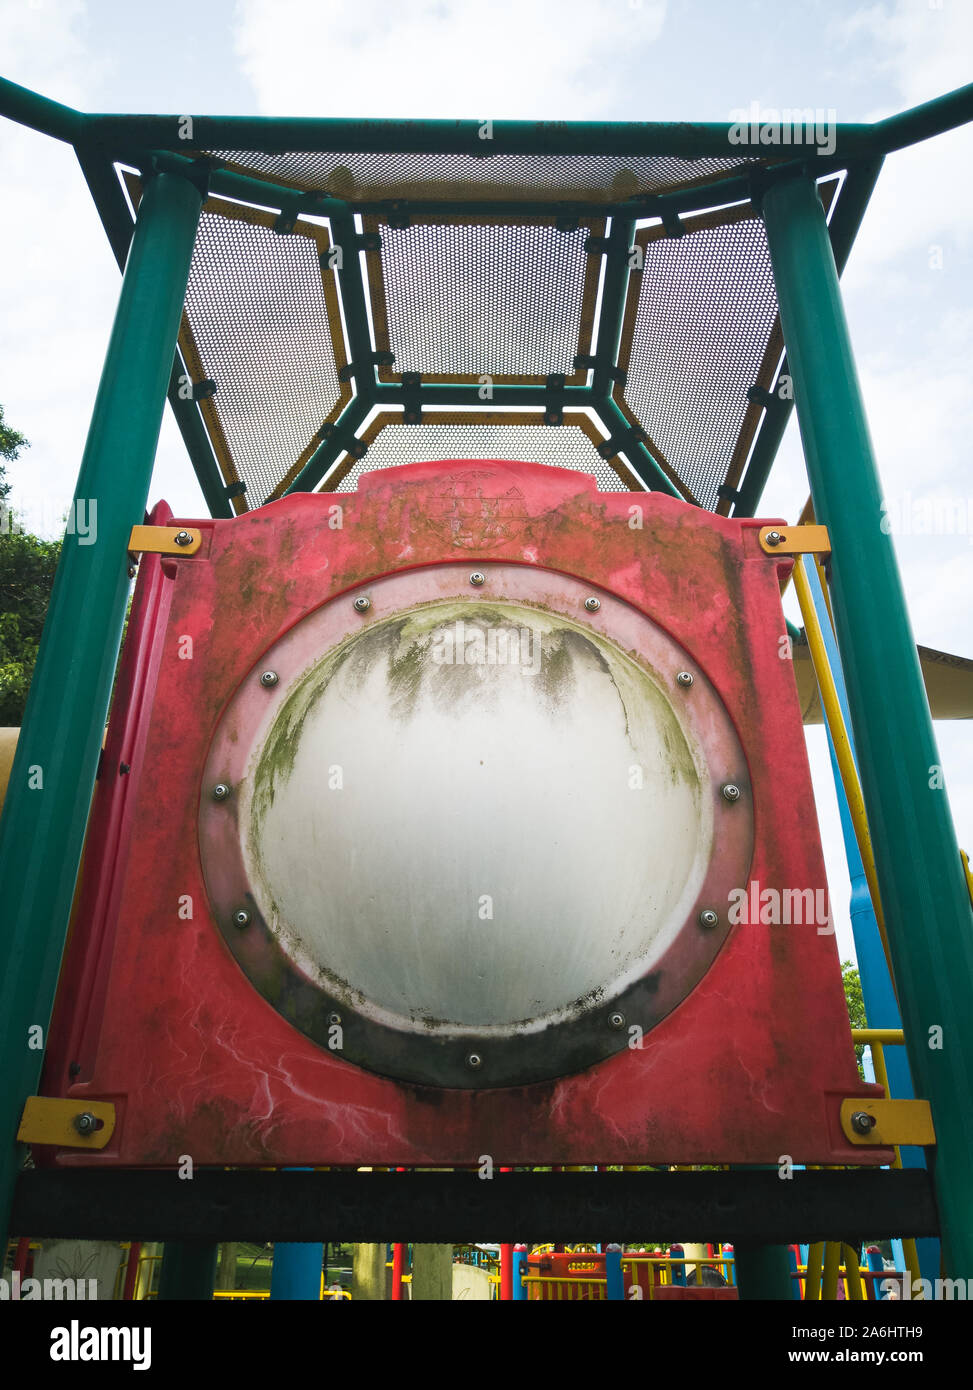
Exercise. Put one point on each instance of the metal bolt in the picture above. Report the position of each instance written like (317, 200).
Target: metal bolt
(708, 918)
(221, 791)
(85, 1123)
(131, 571)
(477, 578)
(183, 538)
(269, 678)
(334, 1018)
(730, 791)
(592, 604)
(774, 537)
(241, 918)
(474, 1060)
(362, 604)
(862, 1122)
(616, 1020)
(684, 678)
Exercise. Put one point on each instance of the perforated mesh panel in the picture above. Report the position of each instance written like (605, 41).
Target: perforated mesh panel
(458, 301)
(564, 446)
(706, 310)
(263, 330)
(370, 177)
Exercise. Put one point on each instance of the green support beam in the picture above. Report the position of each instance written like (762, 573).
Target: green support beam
(637, 456)
(117, 221)
(927, 906)
(613, 295)
(845, 222)
(188, 1271)
(436, 393)
(46, 809)
(334, 446)
(684, 139)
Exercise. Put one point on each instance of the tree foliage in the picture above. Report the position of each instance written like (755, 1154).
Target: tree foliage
(27, 566)
(856, 1005)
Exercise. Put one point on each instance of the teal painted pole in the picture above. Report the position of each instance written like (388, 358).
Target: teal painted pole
(42, 829)
(920, 876)
(188, 1271)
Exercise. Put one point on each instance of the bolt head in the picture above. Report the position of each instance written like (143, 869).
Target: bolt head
(269, 678)
(221, 791)
(684, 678)
(334, 1018)
(131, 571)
(592, 604)
(183, 538)
(85, 1123)
(730, 791)
(616, 1020)
(474, 1060)
(362, 604)
(774, 537)
(477, 578)
(241, 918)
(862, 1122)
(708, 918)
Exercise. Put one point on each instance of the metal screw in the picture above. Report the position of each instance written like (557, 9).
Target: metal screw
(183, 538)
(221, 791)
(269, 678)
(85, 1123)
(708, 918)
(730, 792)
(477, 578)
(862, 1122)
(616, 1020)
(774, 537)
(592, 604)
(131, 571)
(334, 1018)
(241, 918)
(474, 1060)
(362, 604)
(684, 678)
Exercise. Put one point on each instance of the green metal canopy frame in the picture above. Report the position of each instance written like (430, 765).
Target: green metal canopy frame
(461, 174)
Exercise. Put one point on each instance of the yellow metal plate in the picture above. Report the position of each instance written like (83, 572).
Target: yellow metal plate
(161, 540)
(49, 1121)
(796, 540)
(896, 1122)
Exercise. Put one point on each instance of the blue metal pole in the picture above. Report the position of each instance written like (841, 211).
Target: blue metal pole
(296, 1271)
(520, 1272)
(615, 1291)
(878, 996)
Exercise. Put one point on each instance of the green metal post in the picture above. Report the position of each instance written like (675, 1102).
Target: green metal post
(921, 881)
(763, 1272)
(51, 781)
(188, 1270)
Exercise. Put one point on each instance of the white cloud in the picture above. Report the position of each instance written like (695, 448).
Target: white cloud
(473, 59)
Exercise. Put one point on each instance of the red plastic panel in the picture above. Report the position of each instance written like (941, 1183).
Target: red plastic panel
(155, 1013)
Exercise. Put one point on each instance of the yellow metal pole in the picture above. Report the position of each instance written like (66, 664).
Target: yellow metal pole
(842, 747)
(812, 1273)
(829, 1278)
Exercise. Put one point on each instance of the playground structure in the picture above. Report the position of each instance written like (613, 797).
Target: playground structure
(376, 325)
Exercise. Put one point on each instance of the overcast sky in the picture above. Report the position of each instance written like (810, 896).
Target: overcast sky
(908, 286)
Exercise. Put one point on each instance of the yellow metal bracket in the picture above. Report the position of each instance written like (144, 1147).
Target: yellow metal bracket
(67, 1124)
(795, 540)
(164, 540)
(887, 1122)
